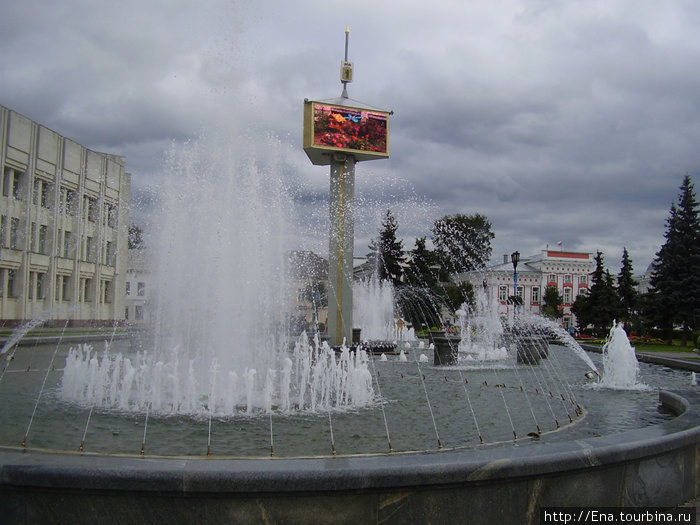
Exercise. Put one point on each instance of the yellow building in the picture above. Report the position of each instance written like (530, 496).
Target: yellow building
(64, 213)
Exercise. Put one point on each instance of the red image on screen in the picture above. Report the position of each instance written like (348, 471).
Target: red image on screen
(351, 129)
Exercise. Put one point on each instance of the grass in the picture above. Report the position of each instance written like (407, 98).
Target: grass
(651, 346)
(67, 331)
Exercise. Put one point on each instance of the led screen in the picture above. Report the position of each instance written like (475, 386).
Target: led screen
(332, 129)
(349, 128)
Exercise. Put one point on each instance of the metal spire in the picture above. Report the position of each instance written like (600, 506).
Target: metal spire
(346, 68)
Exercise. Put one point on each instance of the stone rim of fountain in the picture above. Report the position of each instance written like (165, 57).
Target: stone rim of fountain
(96, 472)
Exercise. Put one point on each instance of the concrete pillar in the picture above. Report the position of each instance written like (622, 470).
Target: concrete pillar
(340, 250)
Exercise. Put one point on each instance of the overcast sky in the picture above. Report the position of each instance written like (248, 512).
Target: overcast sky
(559, 120)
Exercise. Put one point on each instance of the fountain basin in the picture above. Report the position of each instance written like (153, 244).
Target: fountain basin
(653, 466)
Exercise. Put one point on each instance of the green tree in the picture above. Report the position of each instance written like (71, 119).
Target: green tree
(455, 295)
(675, 278)
(421, 270)
(551, 303)
(462, 242)
(627, 290)
(602, 305)
(386, 251)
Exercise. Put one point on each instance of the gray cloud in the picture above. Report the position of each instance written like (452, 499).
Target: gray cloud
(560, 121)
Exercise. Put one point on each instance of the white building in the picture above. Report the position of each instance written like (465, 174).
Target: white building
(64, 213)
(138, 287)
(568, 271)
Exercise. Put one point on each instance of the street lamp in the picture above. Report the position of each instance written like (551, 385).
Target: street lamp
(514, 258)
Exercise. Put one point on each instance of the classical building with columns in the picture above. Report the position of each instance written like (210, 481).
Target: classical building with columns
(64, 213)
(568, 271)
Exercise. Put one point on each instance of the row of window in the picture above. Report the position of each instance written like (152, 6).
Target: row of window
(140, 289)
(568, 278)
(10, 237)
(503, 291)
(67, 198)
(38, 287)
(138, 313)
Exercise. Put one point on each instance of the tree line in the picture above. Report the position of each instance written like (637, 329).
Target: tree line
(421, 277)
(672, 303)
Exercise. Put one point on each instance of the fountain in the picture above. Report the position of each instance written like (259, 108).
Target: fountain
(227, 414)
(621, 369)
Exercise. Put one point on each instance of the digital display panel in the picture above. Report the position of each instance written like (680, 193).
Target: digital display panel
(360, 132)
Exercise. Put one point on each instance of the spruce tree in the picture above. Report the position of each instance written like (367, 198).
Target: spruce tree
(387, 251)
(602, 305)
(675, 278)
(626, 290)
(421, 271)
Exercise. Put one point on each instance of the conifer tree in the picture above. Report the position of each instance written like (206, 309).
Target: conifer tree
(626, 289)
(602, 305)
(675, 278)
(387, 251)
(421, 270)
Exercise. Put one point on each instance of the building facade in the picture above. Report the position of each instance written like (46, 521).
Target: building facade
(64, 213)
(569, 272)
(308, 290)
(138, 287)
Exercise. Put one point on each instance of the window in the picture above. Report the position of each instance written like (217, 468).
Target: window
(67, 241)
(109, 253)
(583, 291)
(3, 231)
(12, 186)
(128, 288)
(40, 286)
(88, 249)
(86, 296)
(62, 288)
(583, 279)
(139, 313)
(503, 293)
(11, 274)
(2, 282)
(43, 233)
(106, 291)
(141, 289)
(568, 279)
(40, 196)
(126, 313)
(14, 233)
(519, 292)
(535, 294)
(552, 278)
(67, 201)
(567, 295)
(111, 215)
(90, 208)
(32, 239)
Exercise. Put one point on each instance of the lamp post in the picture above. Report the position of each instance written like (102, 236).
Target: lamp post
(514, 258)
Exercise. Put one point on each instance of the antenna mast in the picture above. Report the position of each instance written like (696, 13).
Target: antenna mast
(346, 67)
